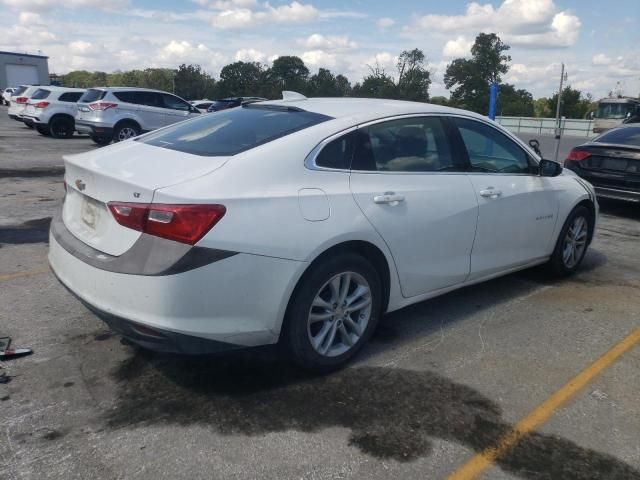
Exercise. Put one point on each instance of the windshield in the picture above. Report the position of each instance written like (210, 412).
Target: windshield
(234, 130)
(613, 110)
(621, 136)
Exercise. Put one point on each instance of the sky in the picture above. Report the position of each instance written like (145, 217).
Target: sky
(594, 38)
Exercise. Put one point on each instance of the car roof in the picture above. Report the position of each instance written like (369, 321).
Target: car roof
(57, 88)
(367, 108)
(137, 89)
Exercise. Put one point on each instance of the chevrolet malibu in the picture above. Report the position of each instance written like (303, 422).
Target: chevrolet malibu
(302, 221)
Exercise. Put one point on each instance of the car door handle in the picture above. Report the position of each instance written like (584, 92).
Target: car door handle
(388, 198)
(490, 193)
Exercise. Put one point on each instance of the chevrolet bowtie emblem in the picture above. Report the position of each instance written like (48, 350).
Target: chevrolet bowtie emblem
(81, 185)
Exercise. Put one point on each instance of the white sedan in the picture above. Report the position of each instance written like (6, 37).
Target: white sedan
(302, 221)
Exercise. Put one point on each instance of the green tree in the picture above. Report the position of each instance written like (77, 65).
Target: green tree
(323, 84)
(440, 100)
(514, 103)
(191, 82)
(470, 78)
(541, 108)
(287, 73)
(241, 79)
(343, 86)
(413, 77)
(573, 104)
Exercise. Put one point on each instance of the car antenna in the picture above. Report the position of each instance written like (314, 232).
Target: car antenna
(288, 95)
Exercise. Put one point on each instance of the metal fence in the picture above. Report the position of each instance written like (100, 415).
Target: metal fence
(570, 127)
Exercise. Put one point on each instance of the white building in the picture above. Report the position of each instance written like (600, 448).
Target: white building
(23, 69)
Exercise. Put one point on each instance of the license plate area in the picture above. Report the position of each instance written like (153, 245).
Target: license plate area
(90, 212)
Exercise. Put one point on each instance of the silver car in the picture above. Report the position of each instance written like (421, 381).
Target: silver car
(119, 113)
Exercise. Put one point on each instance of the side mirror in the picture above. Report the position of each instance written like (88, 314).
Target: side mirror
(535, 144)
(549, 168)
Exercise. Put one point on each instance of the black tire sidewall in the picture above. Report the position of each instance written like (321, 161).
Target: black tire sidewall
(100, 140)
(556, 262)
(295, 336)
(52, 128)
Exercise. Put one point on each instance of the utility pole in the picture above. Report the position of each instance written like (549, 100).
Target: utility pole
(558, 125)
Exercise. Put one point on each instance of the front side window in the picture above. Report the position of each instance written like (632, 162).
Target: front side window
(491, 151)
(234, 130)
(70, 97)
(174, 103)
(416, 144)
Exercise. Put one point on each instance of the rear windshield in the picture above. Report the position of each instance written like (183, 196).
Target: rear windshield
(40, 94)
(621, 136)
(233, 131)
(92, 95)
(18, 91)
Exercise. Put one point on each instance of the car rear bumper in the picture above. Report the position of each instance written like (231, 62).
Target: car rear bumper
(15, 117)
(238, 301)
(30, 120)
(94, 129)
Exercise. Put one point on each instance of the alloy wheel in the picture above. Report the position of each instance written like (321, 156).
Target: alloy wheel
(339, 314)
(575, 242)
(126, 133)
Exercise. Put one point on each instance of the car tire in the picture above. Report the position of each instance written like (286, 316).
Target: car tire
(572, 243)
(322, 331)
(101, 140)
(61, 127)
(125, 131)
(43, 130)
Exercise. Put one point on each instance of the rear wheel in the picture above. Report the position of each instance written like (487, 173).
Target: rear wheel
(572, 242)
(43, 130)
(101, 140)
(333, 312)
(61, 127)
(125, 132)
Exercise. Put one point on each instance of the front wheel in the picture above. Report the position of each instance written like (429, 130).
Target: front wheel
(333, 312)
(572, 242)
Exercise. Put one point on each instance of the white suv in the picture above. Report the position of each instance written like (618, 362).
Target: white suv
(19, 100)
(52, 111)
(119, 113)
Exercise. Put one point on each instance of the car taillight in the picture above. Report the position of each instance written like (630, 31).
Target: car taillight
(577, 155)
(21, 100)
(102, 105)
(181, 223)
(41, 104)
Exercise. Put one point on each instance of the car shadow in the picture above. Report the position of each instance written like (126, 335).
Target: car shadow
(31, 231)
(391, 413)
(619, 208)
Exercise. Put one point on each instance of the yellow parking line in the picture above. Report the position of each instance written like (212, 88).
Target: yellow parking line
(541, 414)
(28, 273)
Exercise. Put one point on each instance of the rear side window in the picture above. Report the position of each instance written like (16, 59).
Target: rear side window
(40, 94)
(621, 136)
(125, 97)
(92, 95)
(233, 131)
(338, 153)
(417, 144)
(18, 91)
(72, 97)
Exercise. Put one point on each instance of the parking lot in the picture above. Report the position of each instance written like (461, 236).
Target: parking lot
(504, 370)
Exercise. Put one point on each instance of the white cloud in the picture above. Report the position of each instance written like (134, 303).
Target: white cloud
(601, 59)
(319, 58)
(249, 55)
(46, 5)
(177, 52)
(385, 22)
(319, 41)
(532, 23)
(242, 17)
(384, 60)
(460, 47)
(295, 12)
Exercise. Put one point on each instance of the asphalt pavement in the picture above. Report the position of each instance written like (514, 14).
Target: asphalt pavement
(441, 382)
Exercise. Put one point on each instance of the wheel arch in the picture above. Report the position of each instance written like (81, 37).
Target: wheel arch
(65, 116)
(365, 249)
(127, 121)
(590, 206)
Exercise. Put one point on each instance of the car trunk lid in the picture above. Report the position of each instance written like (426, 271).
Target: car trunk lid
(126, 172)
(614, 166)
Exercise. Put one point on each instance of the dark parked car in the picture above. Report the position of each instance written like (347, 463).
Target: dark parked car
(611, 163)
(231, 102)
